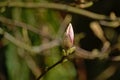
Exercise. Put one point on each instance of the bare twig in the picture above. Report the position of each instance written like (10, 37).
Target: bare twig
(107, 73)
(7, 21)
(63, 25)
(81, 53)
(60, 61)
(56, 41)
(30, 62)
(113, 23)
(18, 24)
(56, 6)
(34, 49)
(38, 49)
(33, 66)
(15, 41)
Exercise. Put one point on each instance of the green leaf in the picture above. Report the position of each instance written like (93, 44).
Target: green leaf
(16, 66)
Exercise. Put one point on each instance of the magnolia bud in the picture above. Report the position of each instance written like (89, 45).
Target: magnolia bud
(68, 38)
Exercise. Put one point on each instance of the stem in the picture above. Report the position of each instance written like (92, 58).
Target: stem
(48, 69)
(56, 6)
(16, 41)
(19, 24)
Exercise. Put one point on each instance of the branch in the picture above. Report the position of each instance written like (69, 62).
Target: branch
(56, 41)
(67, 8)
(29, 61)
(81, 53)
(35, 49)
(45, 46)
(60, 61)
(56, 6)
(107, 73)
(15, 41)
(7, 21)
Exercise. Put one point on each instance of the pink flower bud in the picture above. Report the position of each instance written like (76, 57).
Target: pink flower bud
(70, 33)
(68, 38)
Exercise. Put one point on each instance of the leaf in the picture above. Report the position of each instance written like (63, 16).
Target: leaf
(17, 68)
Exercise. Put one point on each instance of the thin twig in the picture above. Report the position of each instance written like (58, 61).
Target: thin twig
(45, 46)
(60, 61)
(32, 65)
(66, 8)
(30, 62)
(7, 21)
(15, 41)
(79, 52)
(63, 25)
(107, 73)
(36, 49)
(57, 41)
(32, 49)
(56, 6)
(18, 24)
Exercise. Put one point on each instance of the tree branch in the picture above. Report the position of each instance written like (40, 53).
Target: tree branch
(7, 21)
(79, 52)
(38, 49)
(56, 6)
(15, 41)
(60, 61)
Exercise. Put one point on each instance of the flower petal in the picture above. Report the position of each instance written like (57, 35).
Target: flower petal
(70, 32)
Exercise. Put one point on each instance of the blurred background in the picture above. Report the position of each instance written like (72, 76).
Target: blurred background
(31, 35)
